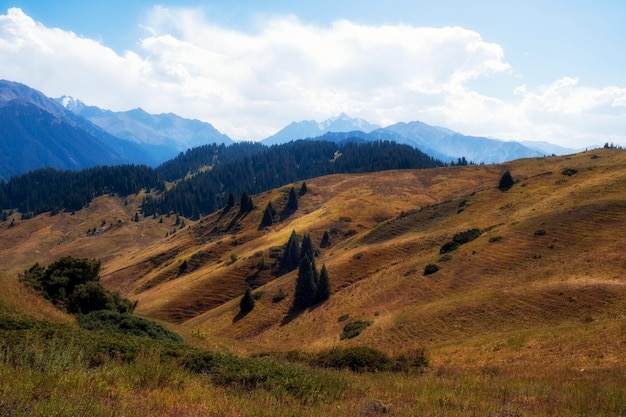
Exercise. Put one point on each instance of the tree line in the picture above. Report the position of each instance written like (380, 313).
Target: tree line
(234, 169)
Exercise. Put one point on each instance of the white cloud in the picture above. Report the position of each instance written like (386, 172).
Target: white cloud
(250, 84)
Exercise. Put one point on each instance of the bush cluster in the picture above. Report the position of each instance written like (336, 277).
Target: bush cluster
(353, 329)
(366, 359)
(459, 239)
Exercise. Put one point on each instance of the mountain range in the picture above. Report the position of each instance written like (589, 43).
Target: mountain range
(65, 133)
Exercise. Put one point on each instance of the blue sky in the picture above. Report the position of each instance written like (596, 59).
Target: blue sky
(535, 70)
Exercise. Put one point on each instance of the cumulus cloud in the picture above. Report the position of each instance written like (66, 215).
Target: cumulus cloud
(250, 84)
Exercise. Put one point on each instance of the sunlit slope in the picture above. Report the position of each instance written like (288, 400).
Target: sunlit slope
(546, 274)
(550, 256)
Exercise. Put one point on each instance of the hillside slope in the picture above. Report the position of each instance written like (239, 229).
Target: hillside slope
(543, 282)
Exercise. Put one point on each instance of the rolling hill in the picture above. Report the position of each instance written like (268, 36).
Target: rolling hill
(528, 318)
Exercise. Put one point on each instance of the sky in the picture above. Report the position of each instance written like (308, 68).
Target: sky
(547, 70)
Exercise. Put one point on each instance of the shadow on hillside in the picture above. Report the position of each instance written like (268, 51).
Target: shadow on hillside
(239, 316)
(293, 313)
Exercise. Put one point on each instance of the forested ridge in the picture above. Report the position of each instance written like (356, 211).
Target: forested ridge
(249, 167)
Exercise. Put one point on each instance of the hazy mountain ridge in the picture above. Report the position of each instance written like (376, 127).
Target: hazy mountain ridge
(173, 133)
(136, 136)
(36, 132)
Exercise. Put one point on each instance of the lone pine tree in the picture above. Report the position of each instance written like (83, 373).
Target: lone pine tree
(306, 285)
(292, 203)
(247, 301)
(506, 182)
(303, 189)
(268, 216)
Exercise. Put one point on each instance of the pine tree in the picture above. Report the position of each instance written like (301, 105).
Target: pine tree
(303, 188)
(307, 248)
(231, 201)
(306, 290)
(268, 216)
(246, 204)
(325, 240)
(323, 286)
(291, 255)
(292, 203)
(506, 182)
(247, 301)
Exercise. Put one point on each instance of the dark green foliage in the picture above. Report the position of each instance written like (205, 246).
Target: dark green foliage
(323, 286)
(325, 242)
(448, 247)
(279, 296)
(506, 181)
(306, 285)
(292, 202)
(291, 255)
(268, 216)
(231, 201)
(303, 189)
(540, 232)
(247, 302)
(356, 359)
(459, 239)
(569, 171)
(51, 190)
(494, 239)
(264, 373)
(273, 167)
(126, 323)
(307, 249)
(353, 329)
(74, 284)
(431, 269)
(245, 205)
(212, 155)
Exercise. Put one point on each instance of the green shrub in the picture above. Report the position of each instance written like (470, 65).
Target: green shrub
(569, 172)
(279, 296)
(125, 323)
(540, 232)
(74, 285)
(343, 317)
(356, 359)
(354, 329)
(266, 373)
(494, 239)
(459, 239)
(431, 269)
(506, 182)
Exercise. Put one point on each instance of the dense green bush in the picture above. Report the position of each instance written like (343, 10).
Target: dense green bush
(126, 323)
(354, 329)
(357, 359)
(459, 239)
(266, 373)
(74, 285)
(430, 269)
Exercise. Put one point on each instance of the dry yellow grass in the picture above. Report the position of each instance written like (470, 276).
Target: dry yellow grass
(508, 299)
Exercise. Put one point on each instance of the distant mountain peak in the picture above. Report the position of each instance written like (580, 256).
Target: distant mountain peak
(71, 103)
(310, 128)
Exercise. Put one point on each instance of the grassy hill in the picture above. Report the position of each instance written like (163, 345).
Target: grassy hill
(527, 319)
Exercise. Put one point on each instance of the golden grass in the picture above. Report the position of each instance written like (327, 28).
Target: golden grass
(508, 320)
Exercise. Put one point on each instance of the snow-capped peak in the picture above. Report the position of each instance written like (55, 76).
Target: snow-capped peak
(70, 103)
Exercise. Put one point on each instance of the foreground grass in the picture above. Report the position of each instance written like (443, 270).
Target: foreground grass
(57, 369)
